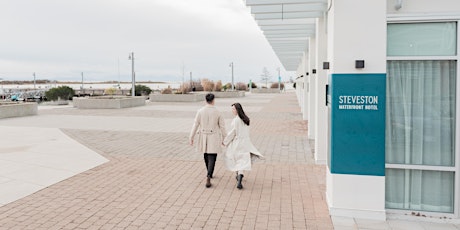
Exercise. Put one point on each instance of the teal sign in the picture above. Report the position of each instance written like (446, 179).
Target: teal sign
(357, 124)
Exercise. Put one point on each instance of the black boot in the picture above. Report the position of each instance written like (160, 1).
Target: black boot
(208, 182)
(240, 179)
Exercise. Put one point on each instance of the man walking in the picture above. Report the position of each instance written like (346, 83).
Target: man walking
(210, 127)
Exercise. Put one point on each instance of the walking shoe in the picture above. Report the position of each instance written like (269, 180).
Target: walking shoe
(240, 179)
(208, 182)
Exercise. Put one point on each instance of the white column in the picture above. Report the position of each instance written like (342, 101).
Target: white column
(356, 31)
(312, 93)
(306, 84)
(322, 124)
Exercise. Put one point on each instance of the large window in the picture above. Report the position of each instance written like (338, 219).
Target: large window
(422, 39)
(421, 116)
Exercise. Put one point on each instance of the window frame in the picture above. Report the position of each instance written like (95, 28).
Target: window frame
(406, 19)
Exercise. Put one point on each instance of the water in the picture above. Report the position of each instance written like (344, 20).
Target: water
(77, 86)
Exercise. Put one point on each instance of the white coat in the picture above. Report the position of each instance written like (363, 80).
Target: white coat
(240, 150)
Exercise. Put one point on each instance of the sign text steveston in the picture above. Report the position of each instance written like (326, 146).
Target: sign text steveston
(358, 102)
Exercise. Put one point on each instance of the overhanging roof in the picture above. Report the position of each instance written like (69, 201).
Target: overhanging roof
(287, 25)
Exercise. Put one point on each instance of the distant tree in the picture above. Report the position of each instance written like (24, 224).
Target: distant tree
(196, 86)
(227, 86)
(167, 91)
(207, 84)
(253, 86)
(265, 76)
(140, 90)
(59, 93)
(276, 85)
(110, 91)
(241, 86)
(218, 86)
(184, 88)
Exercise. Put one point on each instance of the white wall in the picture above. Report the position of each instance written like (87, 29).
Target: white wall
(356, 196)
(353, 38)
(356, 31)
(424, 6)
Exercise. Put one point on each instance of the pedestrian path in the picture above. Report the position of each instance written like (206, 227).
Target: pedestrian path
(32, 159)
(142, 174)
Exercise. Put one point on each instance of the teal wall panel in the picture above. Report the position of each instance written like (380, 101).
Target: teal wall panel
(357, 124)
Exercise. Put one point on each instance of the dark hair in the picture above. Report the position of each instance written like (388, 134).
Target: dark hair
(209, 97)
(241, 114)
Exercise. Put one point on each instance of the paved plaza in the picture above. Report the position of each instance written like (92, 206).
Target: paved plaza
(133, 169)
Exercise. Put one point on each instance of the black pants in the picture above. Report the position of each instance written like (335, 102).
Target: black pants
(210, 161)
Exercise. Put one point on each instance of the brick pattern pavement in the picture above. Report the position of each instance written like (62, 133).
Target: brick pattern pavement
(154, 180)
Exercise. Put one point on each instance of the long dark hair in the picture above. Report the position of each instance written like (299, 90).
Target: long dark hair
(241, 113)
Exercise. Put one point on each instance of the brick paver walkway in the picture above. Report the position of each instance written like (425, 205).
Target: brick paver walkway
(155, 180)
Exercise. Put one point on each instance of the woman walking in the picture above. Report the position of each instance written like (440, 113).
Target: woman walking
(240, 150)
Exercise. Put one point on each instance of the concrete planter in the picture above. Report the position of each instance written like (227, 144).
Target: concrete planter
(107, 102)
(191, 97)
(229, 94)
(65, 102)
(13, 109)
(265, 91)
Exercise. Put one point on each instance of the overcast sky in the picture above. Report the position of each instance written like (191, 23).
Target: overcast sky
(59, 39)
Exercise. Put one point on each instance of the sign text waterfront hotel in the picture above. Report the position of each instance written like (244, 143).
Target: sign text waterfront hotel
(358, 102)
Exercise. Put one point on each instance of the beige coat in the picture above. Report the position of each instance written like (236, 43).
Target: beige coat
(210, 127)
(240, 150)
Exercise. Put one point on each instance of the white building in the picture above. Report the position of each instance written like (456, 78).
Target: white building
(389, 133)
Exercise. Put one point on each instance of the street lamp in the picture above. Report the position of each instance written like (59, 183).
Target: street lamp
(131, 57)
(34, 80)
(233, 86)
(279, 79)
(3, 92)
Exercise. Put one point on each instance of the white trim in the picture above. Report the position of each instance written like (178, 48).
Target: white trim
(451, 16)
(457, 131)
(359, 214)
(320, 162)
(416, 58)
(402, 213)
(421, 167)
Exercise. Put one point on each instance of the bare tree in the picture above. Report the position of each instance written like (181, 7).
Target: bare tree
(265, 76)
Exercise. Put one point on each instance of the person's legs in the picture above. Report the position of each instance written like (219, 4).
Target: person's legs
(239, 178)
(211, 163)
(206, 160)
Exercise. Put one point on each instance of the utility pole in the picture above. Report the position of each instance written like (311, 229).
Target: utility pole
(250, 85)
(191, 82)
(133, 78)
(119, 73)
(183, 73)
(34, 80)
(233, 85)
(81, 80)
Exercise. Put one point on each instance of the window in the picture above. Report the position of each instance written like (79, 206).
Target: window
(421, 116)
(422, 39)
